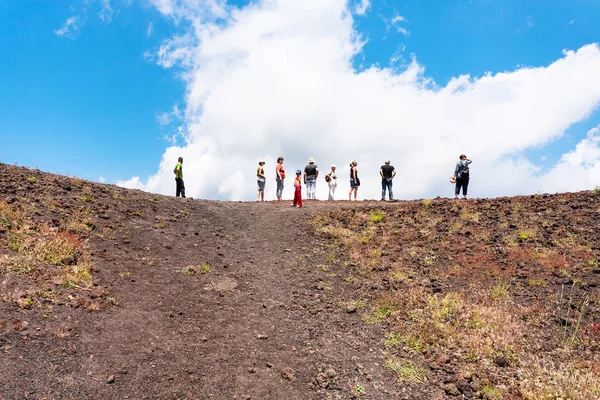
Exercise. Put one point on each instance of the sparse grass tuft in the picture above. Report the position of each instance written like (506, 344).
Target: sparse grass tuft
(376, 215)
(426, 203)
(406, 370)
(491, 392)
(526, 234)
(500, 290)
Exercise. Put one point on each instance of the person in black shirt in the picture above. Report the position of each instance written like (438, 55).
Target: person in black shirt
(311, 172)
(387, 173)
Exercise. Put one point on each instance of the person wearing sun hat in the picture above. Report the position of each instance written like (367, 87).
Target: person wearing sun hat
(311, 172)
(260, 179)
(331, 179)
(297, 189)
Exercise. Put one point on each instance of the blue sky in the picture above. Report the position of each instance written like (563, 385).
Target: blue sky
(86, 103)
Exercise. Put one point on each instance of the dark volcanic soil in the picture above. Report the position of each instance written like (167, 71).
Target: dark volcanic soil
(258, 325)
(194, 299)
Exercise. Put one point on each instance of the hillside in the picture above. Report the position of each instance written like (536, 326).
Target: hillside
(112, 293)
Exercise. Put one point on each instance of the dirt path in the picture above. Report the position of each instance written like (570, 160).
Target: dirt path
(266, 322)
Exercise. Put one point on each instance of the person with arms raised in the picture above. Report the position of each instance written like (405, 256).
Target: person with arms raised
(461, 175)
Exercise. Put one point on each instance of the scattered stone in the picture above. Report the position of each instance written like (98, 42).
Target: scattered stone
(251, 370)
(330, 373)
(501, 361)
(262, 337)
(269, 365)
(111, 379)
(350, 309)
(451, 389)
(289, 374)
(464, 387)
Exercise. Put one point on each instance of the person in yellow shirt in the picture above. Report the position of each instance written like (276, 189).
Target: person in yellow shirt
(178, 171)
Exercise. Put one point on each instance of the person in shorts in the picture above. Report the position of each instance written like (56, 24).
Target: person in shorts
(260, 180)
(354, 180)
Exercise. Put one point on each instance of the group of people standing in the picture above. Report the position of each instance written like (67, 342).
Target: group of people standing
(309, 176)
(311, 173)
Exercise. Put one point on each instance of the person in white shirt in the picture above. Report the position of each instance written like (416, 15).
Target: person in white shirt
(331, 179)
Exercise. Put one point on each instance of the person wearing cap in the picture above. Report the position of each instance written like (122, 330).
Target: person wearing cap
(260, 179)
(297, 189)
(387, 173)
(279, 177)
(461, 175)
(311, 172)
(331, 179)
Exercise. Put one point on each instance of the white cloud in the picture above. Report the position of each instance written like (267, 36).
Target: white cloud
(362, 7)
(133, 183)
(150, 29)
(106, 12)
(101, 179)
(277, 79)
(396, 22)
(69, 28)
(165, 118)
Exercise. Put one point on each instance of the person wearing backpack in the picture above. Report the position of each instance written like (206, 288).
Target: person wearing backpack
(461, 175)
(331, 180)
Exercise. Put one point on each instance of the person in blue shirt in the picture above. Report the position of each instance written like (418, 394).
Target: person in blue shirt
(461, 174)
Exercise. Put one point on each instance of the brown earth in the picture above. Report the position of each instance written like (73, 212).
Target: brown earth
(111, 293)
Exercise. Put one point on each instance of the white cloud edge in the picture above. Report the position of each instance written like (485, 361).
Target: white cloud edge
(174, 54)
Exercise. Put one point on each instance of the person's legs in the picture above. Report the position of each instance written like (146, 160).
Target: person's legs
(299, 196)
(178, 187)
(355, 192)
(182, 188)
(383, 187)
(331, 192)
(279, 193)
(457, 187)
(312, 189)
(390, 193)
(465, 186)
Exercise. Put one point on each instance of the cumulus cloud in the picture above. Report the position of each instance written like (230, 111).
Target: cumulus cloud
(277, 79)
(69, 29)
